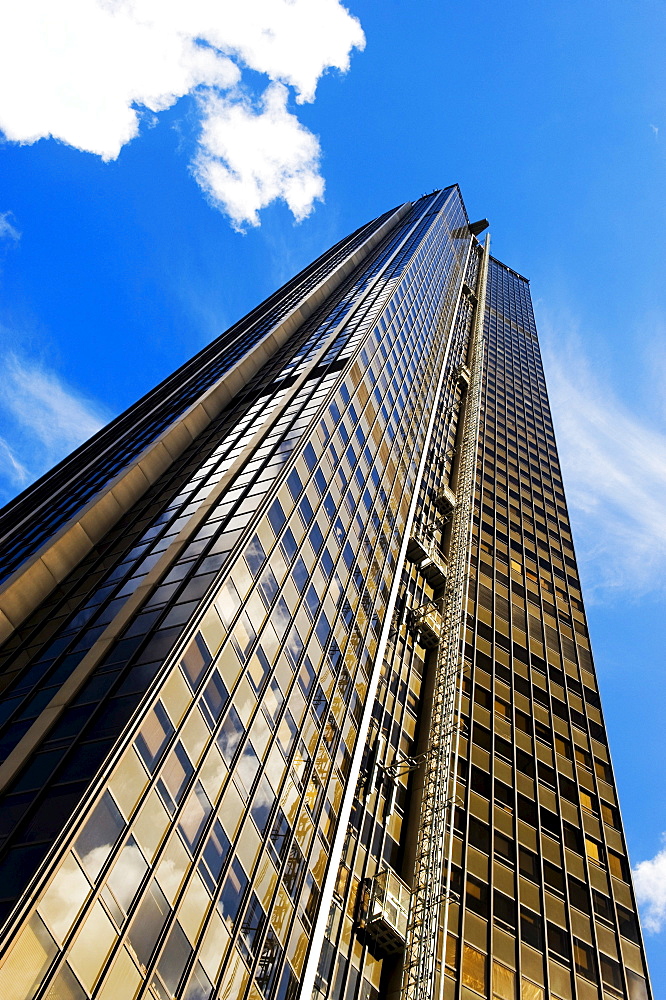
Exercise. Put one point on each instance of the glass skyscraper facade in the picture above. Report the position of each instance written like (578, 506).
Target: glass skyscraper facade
(296, 696)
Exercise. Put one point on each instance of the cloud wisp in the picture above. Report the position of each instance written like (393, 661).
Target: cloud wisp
(650, 886)
(87, 72)
(614, 468)
(44, 420)
(8, 230)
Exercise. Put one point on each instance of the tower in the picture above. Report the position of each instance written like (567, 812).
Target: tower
(297, 694)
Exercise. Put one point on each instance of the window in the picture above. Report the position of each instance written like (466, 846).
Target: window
(154, 736)
(279, 836)
(94, 843)
(127, 874)
(611, 973)
(504, 982)
(554, 877)
(214, 854)
(232, 893)
(230, 735)
(504, 796)
(173, 959)
(215, 697)
(610, 815)
(194, 816)
(573, 838)
(479, 834)
(505, 849)
(637, 987)
(579, 895)
(603, 770)
(558, 943)
(504, 910)
(528, 864)
(148, 923)
(196, 660)
(584, 960)
(176, 773)
(593, 850)
(628, 924)
(477, 896)
(588, 801)
(531, 928)
(474, 969)
(618, 866)
(262, 804)
(602, 906)
(502, 709)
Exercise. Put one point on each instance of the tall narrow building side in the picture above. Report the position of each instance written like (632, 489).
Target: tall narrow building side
(296, 691)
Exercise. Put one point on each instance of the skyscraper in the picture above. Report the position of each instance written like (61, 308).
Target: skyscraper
(297, 692)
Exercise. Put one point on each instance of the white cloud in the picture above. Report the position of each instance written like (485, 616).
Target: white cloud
(614, 470)
(8, 230)
(41, 404)
(247, 160)
(43, 418)
(10, 466)
(650, 886)
(86, 72)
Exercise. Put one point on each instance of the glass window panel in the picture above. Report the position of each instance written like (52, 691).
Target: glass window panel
(216, 850)
(474, 969)
(272, 702)
(195, 661)
(128, 782)
(593, 850)
(258, 667)
(127, 873)
(262, 804)
(230, 735)
(252, 925)
(215, 697)
(174, 958)
(123, 979)
(255, 556)
(584, 960)
(28, 960)
(199, 986)
(148, 923)
(176, 773)
(637, 986)
(286, 735)
(247, 768)
(194, 816)
(151, 825)
(154, 736)
(64, 898)
(193, 907)
(195, 735)
(176, 696)
(65, 986)
(94, 843)
(92, 946)
(227, 602)
(173, 867)
(504, 982)
(232, 893)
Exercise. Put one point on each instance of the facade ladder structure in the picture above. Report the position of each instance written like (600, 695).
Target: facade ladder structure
(423, 970)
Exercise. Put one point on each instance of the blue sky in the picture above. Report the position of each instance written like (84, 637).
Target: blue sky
(121, 251)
